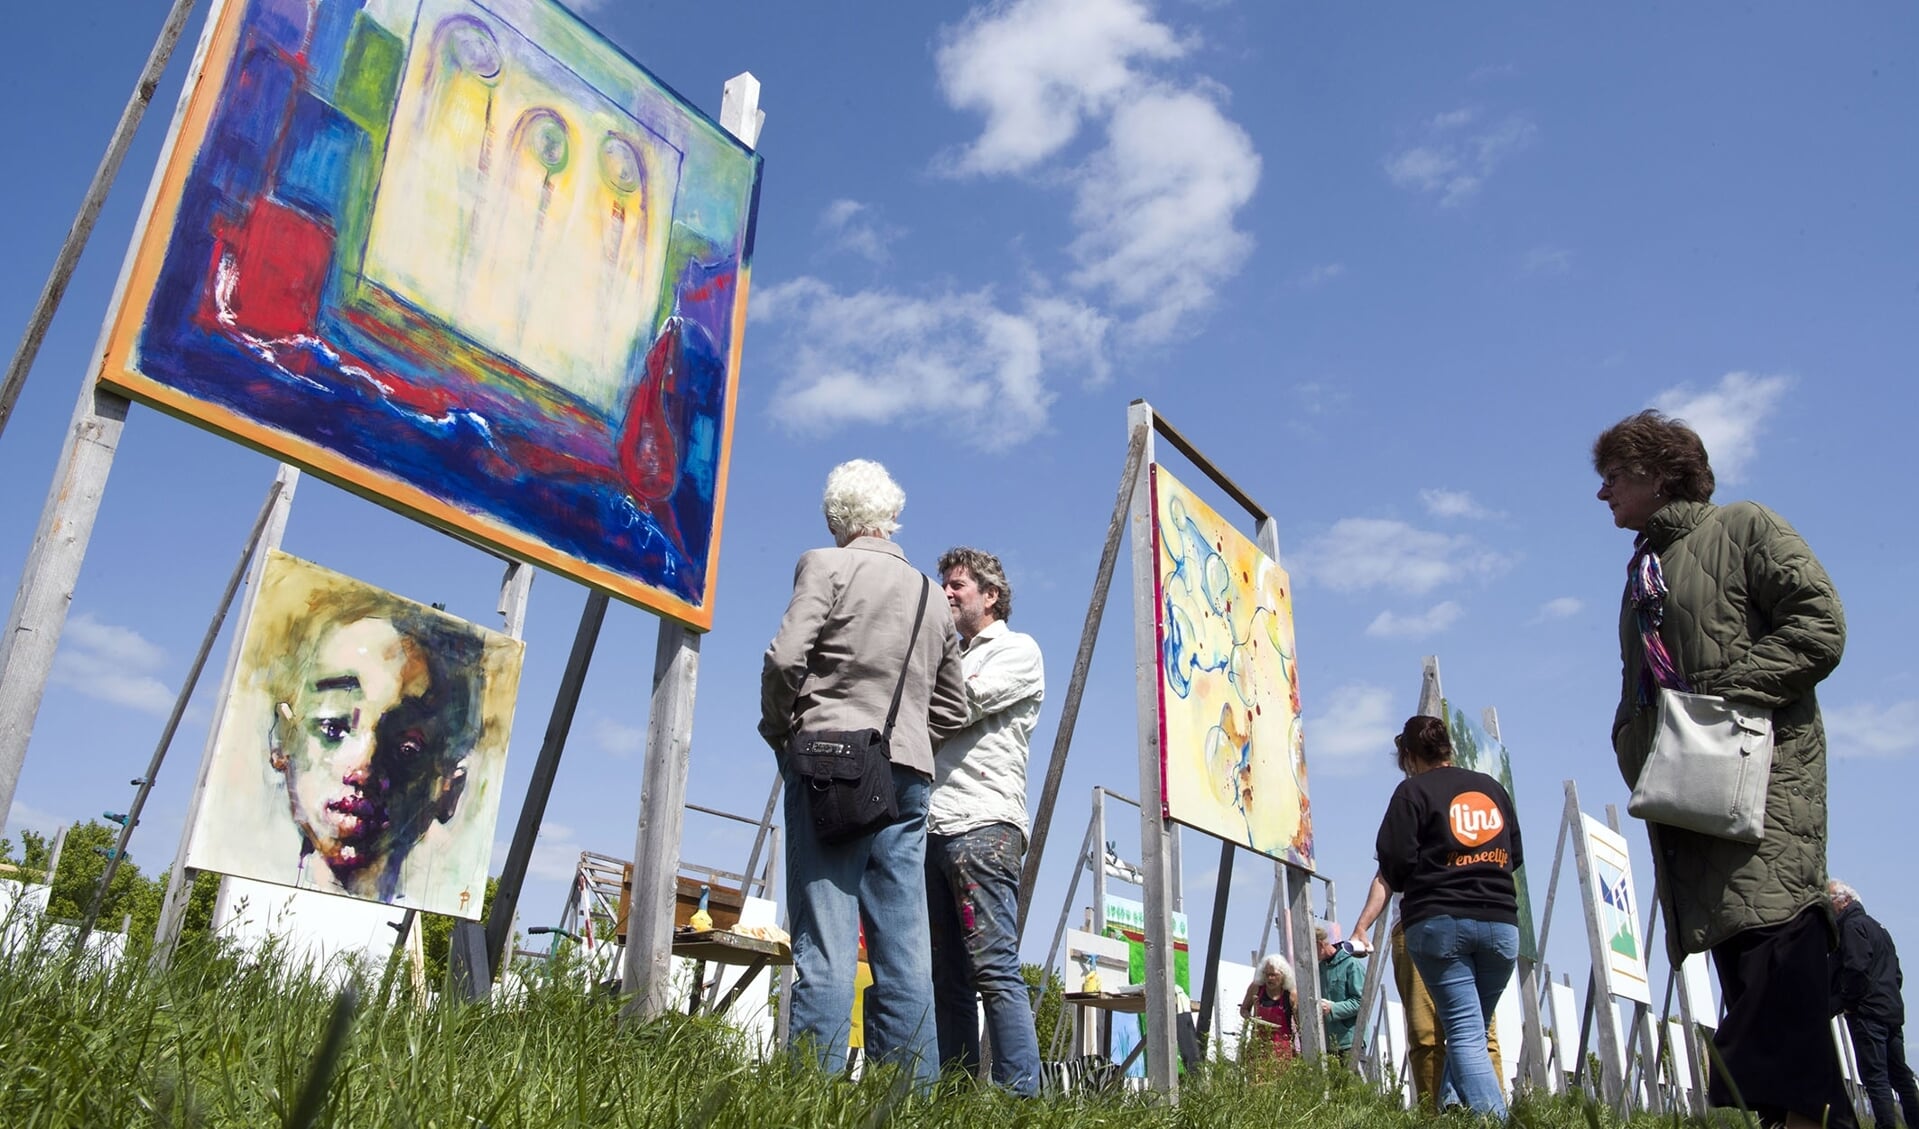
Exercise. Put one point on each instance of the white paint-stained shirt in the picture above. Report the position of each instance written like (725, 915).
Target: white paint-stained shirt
(979, 774)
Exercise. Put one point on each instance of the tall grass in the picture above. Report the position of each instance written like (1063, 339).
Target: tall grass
(223, 1041)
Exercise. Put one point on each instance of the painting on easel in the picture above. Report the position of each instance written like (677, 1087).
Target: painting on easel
(1613, 893)
(1475, 747)
(469, 261)
(362, 747)
(1232, 746)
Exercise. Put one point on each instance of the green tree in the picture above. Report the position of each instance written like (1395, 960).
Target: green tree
(82, 862)
(1052, 995)
(436, 935)
(31, 866)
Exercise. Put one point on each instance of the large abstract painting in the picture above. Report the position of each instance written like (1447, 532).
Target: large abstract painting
(1475, 747)
(362, 746)
(466, 259)
(1232, 748)
(1610, 892)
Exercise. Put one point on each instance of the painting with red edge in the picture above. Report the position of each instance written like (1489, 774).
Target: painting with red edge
(468, 260)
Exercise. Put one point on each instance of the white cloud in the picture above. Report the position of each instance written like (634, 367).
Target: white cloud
(1546, 261)
(111, 664)
(1359, 554)
(1866, 730)
(1156, 204)
(1453, 159)
(1037, 69)
(556, 853)
(1452, 503)
(1562, 607)
(1313, 277)
(853, 227)
(1156, 208)
(1387, 625)
(26, 817)
(957, 360)
(1729, 417)
(617, 737)
(1317, 398)
(1355, 721)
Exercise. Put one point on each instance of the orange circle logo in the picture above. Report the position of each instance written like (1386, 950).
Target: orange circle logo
(1475, 818)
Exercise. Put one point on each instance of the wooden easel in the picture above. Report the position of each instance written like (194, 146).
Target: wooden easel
(1158, 847)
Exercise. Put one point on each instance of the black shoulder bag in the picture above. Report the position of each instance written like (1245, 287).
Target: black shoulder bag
(848, 773)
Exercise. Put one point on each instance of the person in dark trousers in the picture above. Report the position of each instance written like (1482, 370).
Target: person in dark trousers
(1866, 985)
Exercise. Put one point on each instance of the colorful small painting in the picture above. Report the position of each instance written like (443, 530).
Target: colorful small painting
(467, 260)
(362, 747)
(1232, 746)
(1475, 747)
(1613, 895)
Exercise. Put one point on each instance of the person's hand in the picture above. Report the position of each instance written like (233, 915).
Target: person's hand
(1359, 944)
(1325, 1007)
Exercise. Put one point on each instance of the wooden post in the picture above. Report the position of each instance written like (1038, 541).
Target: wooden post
(173, 904)
(648, 957)
(180, 701)
(1076, 685)
(32, 632)
(1215, 937)
(1162, 1065)
(1648, 1050)
(1532, 1048)
(491, 948)
(1612, 1071)
(82, 230)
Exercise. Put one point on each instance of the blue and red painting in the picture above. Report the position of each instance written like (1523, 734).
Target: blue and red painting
(468, 260)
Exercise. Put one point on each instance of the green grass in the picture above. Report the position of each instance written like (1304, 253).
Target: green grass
(219, 1041)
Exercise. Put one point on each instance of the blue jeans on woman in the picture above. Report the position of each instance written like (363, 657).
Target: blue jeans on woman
(878, 879)
(1466, 964)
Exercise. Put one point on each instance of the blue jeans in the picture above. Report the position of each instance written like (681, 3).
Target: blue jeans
(972, 893)
(880, 880)
(1466, 964)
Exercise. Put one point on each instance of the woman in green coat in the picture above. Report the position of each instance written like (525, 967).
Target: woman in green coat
(1729, 601)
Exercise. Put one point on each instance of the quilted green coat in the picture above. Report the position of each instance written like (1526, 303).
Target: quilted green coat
(1750, 616)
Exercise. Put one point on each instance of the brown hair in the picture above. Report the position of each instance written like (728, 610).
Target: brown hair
(1423, 743)
(1655, 444)
(986, 571)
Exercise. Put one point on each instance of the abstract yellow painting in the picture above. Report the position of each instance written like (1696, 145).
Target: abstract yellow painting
(1232, 747)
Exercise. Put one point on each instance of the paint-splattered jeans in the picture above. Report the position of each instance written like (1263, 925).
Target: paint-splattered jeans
(972, 894)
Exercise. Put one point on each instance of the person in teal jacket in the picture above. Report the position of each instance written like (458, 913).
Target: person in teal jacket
(1342, 977)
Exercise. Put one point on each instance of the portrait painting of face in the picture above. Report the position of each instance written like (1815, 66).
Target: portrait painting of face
(362, 745)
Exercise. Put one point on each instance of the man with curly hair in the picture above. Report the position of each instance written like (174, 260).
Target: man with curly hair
(976, 829)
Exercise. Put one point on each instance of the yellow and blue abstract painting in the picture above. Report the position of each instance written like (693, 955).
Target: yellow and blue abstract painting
(1232, 746)
(466, 259)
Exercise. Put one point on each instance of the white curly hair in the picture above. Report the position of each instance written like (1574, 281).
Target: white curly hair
(862, 500)
(1273, 963)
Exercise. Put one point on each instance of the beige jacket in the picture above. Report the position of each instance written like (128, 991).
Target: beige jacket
(839, 648)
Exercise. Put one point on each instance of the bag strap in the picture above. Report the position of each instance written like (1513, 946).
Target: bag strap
(900, 686)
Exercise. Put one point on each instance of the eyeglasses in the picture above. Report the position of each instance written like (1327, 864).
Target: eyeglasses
(1620, 474)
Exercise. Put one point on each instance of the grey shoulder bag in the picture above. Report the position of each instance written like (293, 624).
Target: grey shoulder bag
(1707, 772)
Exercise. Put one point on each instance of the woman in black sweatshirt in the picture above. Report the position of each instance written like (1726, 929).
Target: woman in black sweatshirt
(1449, 845)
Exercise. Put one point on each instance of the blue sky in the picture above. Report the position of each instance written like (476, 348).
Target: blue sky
(1392, 270)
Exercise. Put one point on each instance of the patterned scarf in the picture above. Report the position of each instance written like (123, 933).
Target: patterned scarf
(1646, 588)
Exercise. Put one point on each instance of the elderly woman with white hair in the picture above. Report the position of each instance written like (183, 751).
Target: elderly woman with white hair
(866, 648)
(1272, 1005)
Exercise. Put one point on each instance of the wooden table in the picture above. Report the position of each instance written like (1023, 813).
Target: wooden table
(720, 946)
